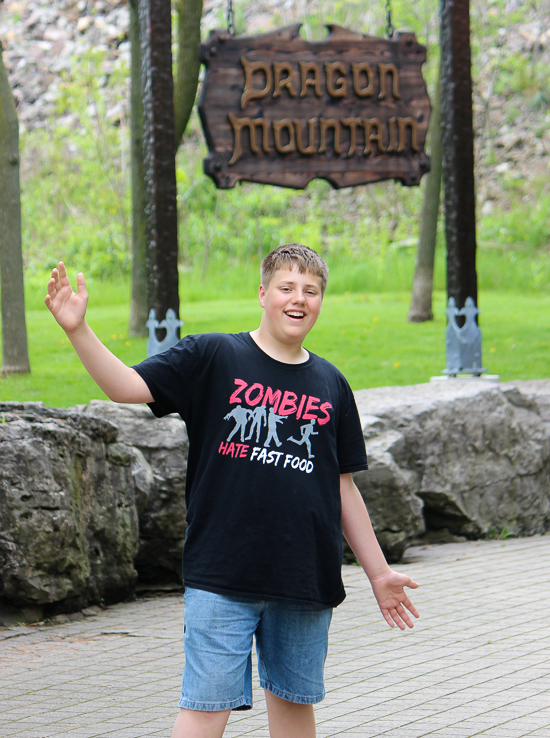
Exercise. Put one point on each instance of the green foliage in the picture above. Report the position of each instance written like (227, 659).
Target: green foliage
(75, 200)
(368, 18)
(521, 74)
(510, 229)
(502, 535)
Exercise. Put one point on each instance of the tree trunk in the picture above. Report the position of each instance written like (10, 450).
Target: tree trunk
(139, 312)
(421, 300)
(159, 155)
(185, 90)
(15, 355)
(458, 150)
(187, 65)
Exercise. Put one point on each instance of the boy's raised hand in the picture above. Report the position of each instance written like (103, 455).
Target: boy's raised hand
(120, 383)
(392, 598)
(66, 306)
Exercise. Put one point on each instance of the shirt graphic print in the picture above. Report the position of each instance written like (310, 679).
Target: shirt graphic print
(257, 419)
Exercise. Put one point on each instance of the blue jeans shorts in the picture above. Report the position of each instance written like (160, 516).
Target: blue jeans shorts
(291, 644)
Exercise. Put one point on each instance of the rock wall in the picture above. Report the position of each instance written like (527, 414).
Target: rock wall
(68, 518)
(389, 489)
(159, 464)
(474, 453)
(91, 494)
(89, 497)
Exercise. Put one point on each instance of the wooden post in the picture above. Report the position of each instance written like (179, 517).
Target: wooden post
(15, 355)
(159, 156)
(458, 150)
(139, 309)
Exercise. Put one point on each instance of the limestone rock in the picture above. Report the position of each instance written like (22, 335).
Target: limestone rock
(532, 393)
(389, 494)
(68, 519)
(461, 457)
(159, 468)
(479, 452)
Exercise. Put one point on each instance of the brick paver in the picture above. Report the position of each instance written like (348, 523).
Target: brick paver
(476, 664)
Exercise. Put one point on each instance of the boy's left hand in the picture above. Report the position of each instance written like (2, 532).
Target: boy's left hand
(392, 598)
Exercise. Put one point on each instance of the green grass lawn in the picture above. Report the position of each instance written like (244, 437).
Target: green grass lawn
(366, 336)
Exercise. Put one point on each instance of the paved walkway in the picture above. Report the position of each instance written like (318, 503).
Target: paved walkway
(476, 664)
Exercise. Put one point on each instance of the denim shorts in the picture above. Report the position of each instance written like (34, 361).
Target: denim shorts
(291, 644)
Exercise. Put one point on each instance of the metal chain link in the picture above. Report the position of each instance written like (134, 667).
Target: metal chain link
(390, 30)
(230, 18)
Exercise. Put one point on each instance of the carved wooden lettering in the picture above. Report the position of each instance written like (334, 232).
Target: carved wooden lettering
(383, 71)
(283, 82)
(333, 125)
(338, 87)
(352, 124)
(377, 137)
(249, 92)
(278, 127)
(322, 135)
(302, 148)
(307, 81)
(277, 109)
(393, 144)
(403, 123)
(357, 69)
(238, 124)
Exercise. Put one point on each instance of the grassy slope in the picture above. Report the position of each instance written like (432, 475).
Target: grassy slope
(366, 336)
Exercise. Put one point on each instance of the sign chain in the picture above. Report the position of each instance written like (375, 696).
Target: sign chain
(389, 25)
(230, 18)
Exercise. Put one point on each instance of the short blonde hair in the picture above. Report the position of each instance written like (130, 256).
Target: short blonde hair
(294, 256)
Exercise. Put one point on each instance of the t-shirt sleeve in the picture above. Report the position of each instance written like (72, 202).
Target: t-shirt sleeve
(170, 376)
(352, 456)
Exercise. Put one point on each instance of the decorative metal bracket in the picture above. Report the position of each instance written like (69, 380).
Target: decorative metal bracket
(463, 345)
(170, 323)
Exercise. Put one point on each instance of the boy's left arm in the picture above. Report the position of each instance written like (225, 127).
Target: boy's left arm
(386, 583)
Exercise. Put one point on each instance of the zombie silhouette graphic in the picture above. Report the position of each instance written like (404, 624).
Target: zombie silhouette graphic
(272, 421)
(307, 431)
(259, 418)
(240, 415)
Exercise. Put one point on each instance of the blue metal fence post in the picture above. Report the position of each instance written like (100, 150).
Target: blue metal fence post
(463, 345)
(171, 323)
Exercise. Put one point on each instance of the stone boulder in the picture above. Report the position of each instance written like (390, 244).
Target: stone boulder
(159, 466)
(476, 453)
(68, 517)
(389, 491)
(92, 493)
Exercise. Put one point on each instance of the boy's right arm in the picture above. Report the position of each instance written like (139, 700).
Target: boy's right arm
(120, 383)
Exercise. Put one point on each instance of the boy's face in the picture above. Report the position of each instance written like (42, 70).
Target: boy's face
(292, 303)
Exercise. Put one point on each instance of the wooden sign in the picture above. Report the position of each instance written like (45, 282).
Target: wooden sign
(280, 110)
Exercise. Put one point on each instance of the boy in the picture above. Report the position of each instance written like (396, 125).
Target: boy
(266, 509)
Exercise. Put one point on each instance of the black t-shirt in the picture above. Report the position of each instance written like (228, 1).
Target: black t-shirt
(267, 443)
